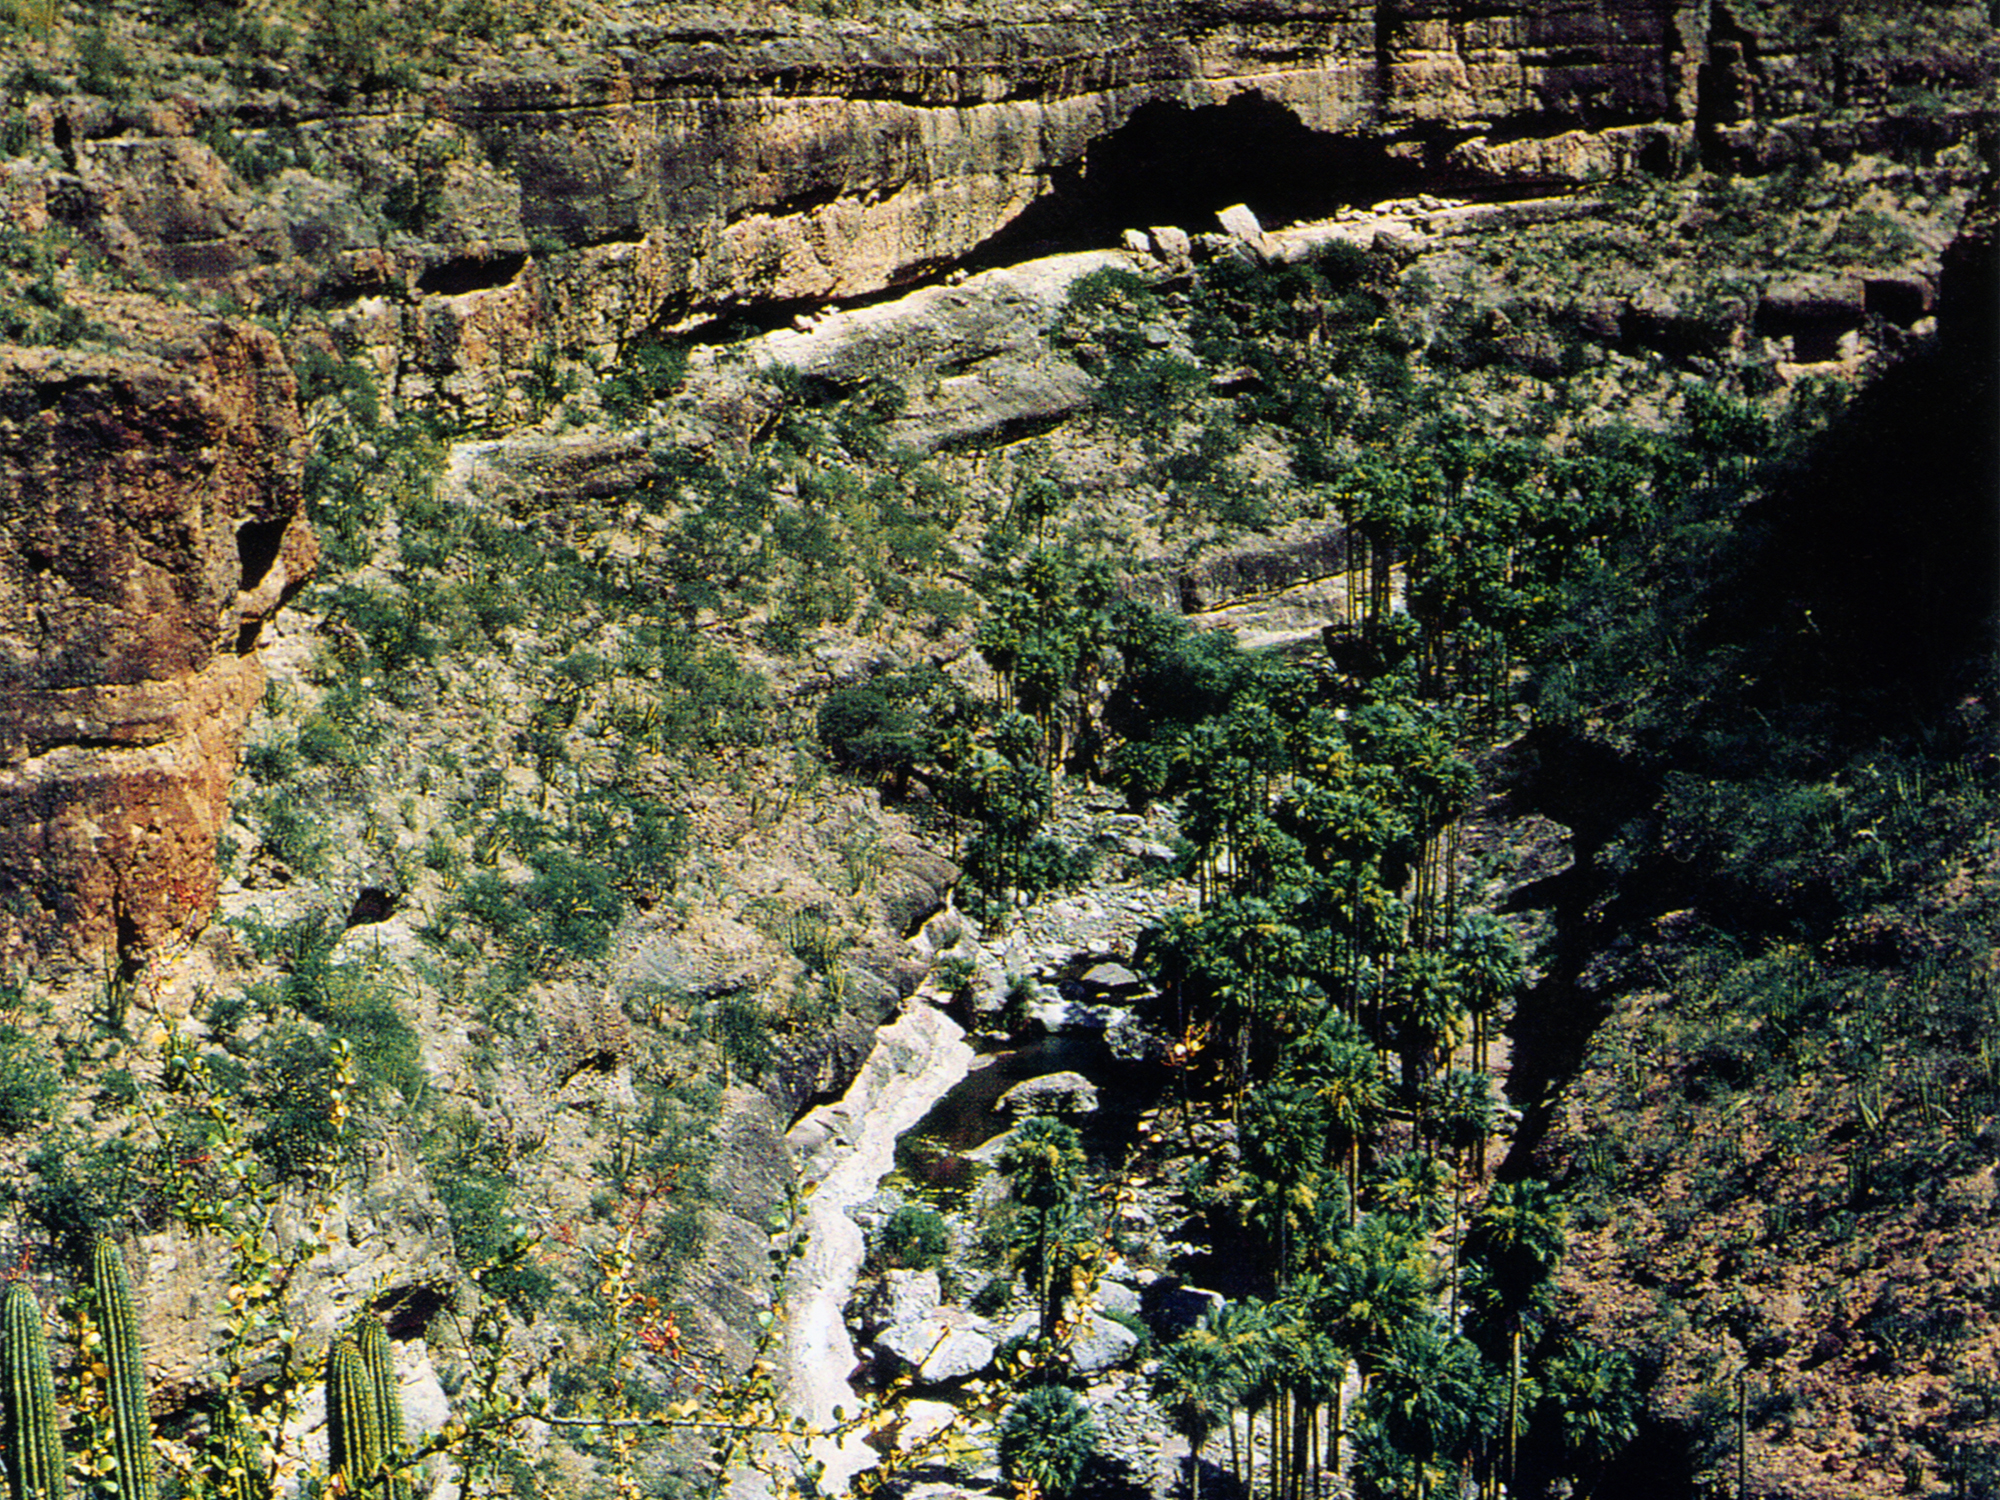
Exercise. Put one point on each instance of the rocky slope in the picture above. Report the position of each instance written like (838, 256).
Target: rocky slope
(477, 241)
(561, 202)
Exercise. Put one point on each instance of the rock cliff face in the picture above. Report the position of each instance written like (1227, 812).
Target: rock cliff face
(684, 170)
(151, 501)
(565, 203)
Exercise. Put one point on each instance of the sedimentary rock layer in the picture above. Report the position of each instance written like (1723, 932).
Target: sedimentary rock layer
(150, 498)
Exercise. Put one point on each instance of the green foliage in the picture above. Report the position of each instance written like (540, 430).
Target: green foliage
(298, 1092)
(741, 1028)
(1433, 1400)
(649, 369)
(79, 1189)
(28, 1082)
(472, 1181)
(1046, 1439)
(863, 728)
(1044, 1164)
(394, 630)
(33, 307)
(566, 909)
(915, 1237)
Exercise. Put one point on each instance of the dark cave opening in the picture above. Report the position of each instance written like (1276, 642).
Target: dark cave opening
(1172, 164)
(257, 547)
(471, 273)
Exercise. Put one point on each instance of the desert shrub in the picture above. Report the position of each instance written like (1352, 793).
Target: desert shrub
(77, 1188)
(865, 730)
(323, 742)
(658, 1177)
(649, 369)
(391, 626)
(740, 1027)
(567, 909)
(294, 1089)
(28, 1082)
(915, 1237)
(476, 1194)
(1046, 1439)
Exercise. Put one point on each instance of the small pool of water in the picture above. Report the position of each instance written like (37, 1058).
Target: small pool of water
(931, 1154)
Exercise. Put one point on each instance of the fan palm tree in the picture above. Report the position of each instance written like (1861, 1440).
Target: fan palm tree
(1044, 1163)
(1373, 1286)
(1341, 1068)
(1410, 1186)
(1425, 1008)
(1434, 1397)
(1487, 962)
(1193, 1384)
(1239, 1328)
(1462, 1112)
(1590, 1393)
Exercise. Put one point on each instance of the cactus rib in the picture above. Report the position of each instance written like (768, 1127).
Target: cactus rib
(131, 1423)
(350, 1407)
(28, 1438)
(380, 1364)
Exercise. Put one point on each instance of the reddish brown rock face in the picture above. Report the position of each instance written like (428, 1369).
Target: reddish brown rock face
(151, 501)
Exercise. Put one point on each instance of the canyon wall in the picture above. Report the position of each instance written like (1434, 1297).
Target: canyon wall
(675, 172)
(151, 501)
(455, 237)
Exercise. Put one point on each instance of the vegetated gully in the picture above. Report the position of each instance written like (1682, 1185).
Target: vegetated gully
(1170, 164)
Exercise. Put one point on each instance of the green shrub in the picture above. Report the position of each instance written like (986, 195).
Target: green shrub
(78, 1187)
(915, 1237)
(863, 729)
(295, 834)
(649, 369)
(741, 1028)
(485, 1233)
(268, 761)
(392, 626)
(294, 1090)
(322, 742)
(28, 1081)
(1046, 1439)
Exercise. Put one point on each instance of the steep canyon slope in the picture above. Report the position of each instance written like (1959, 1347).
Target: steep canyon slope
(529, 343)
(466, 230)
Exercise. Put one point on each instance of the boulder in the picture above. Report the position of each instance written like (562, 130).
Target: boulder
(1051, 1094)
(1171, 244)
(1099, 1344)
(1242, 226)
(945, 1345)
(1110, 978)
(909, 1296)
(1116, 1297)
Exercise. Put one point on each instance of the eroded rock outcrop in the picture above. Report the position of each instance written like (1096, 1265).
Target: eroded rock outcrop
(151, 501)
(685, 168)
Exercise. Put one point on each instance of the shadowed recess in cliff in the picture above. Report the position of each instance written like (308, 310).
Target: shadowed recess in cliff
(1170, 164)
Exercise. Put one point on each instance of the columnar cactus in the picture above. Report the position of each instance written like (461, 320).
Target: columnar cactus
(352, 1420)
(28, 1439)
(380, 1363)
(131, 1423)
(241, 1459)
